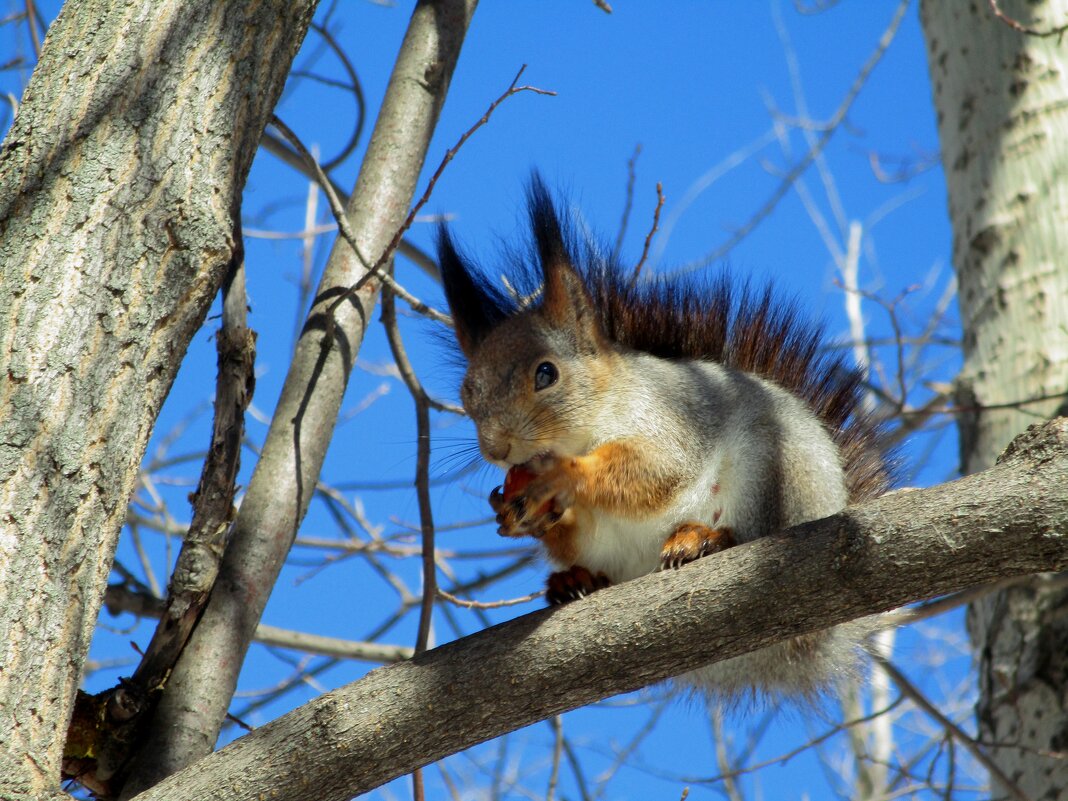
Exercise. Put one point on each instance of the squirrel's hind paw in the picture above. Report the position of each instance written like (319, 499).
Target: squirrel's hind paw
(572, 584)
(691, 541)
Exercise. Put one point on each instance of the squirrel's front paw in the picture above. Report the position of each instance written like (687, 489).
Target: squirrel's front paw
(691, 541)
(529, 503)
(574, 583)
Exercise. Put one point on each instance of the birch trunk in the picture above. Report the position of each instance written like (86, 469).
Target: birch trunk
(1001, 94)
(119, 185)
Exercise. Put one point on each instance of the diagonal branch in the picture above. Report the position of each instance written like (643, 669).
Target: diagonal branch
(199, 691)
(904, 547)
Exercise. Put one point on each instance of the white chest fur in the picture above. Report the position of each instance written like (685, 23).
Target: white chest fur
(624, 548)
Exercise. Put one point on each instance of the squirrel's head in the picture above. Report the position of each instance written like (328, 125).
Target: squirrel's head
(537, 367)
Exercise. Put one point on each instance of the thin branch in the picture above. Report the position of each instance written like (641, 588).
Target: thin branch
(703, 182)
(832, 126)
(723, 759)
(628, 201)
(939, 606)
(349, 236)
(918, 698)
(32, 19)
(1017, 26)
(816, 7)
(357, 93)
(332, 646)
(452, 599)
(450, 154)
(556, 723)
(652, 231)
(782, 759)
(422, 467)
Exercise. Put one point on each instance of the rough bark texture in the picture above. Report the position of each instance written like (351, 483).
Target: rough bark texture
(902, 547)
(1002, 102)
(199, 691)
(118, 184)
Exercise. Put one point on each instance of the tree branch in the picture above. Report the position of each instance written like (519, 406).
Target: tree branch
(199, 690)
(900, 548)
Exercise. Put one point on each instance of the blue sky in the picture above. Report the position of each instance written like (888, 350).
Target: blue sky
(697, 86)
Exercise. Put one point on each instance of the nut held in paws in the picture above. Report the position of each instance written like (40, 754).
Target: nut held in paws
(516, 480)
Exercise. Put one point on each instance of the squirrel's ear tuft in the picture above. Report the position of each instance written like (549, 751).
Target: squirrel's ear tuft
(476, 309)
(545, 223)
(566, 301)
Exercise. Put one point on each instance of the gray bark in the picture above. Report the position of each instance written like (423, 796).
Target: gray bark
(1002, 101)
(1009, 520)
(198, 693)
(119, 184)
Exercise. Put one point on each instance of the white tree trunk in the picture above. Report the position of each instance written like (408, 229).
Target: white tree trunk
(1002, 100)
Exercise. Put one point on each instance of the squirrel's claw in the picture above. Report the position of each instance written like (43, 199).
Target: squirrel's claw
(536, 508)
(496, 500)
(690, 541)
(514, 519)
(573, 584)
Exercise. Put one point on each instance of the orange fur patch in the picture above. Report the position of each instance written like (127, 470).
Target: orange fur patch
(617, 477)
(559, 540)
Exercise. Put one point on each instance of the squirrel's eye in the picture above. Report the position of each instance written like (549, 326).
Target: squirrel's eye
(545, 375)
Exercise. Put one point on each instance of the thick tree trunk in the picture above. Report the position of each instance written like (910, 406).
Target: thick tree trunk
(1002, 101)
(903, 547)
(119, 185)
(199, 691)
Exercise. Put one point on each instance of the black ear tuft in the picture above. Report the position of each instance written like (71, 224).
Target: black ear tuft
(476, 306)
(566, 300)
(545, 223)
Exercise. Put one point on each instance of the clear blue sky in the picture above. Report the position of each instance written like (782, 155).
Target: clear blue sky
(693, 83)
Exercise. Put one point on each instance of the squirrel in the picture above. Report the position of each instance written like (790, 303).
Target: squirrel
(655, 422)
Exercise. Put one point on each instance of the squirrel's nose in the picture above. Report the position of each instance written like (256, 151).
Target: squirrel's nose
(496, 451)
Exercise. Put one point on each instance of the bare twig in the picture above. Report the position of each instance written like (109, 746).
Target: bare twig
(32, 18)
(349, 236)
(277, 147)
(723, 759)
(1017, 26)
(918, 698)
(703, 182)
(488, 604)
(831, 127)
(628, 201)
(816, 7)
(357, 93)
(308, 237)
(556, 723)
(422, 468)
(652, 231)
(450, 154)
(939, 606)
(787, 756)
(906, 167)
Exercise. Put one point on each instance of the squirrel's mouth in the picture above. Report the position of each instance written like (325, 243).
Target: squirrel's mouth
(538, 462)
